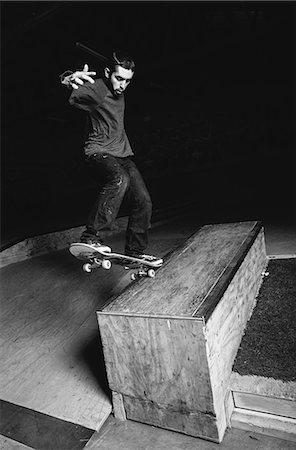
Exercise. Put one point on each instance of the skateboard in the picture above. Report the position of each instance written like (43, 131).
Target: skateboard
(99, 258)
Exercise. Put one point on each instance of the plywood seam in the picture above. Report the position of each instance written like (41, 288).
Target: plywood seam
(149, 316)
(287, 256)
(171, 408)
(199, 436)
(262, 414)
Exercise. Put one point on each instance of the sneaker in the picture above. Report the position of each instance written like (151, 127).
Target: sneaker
(95, 242)
(150, 258)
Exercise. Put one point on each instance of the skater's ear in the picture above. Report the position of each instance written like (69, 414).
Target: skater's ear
(107, 72)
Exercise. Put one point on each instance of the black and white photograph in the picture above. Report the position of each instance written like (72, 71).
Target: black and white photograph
(148, 225)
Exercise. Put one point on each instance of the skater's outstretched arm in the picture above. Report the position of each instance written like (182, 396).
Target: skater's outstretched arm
(76, 79)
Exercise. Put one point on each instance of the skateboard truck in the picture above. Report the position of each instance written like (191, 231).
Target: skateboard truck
(150, 273)
(96, 257)
(107, 264)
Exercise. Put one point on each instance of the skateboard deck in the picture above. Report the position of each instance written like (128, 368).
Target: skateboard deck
(94, 257)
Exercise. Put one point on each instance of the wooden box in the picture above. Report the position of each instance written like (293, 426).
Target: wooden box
(169, 343)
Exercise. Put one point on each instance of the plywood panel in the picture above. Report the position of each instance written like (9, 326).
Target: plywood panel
(227, 278)
(225, 326)
(51, 357)
(9, 444)
(58, 382)
(263, 423)
(194, 423)
(271, 405)
(188, 274)
(169, 343)
(160, 360)
(49, 342)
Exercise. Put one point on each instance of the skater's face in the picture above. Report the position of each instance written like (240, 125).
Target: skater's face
(119, 79)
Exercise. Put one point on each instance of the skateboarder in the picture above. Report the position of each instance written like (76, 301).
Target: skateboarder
(108, 153)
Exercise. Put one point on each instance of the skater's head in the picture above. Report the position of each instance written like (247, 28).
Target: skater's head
(119, 72)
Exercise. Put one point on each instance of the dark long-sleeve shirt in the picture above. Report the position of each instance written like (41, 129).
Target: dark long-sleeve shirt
(105, 119)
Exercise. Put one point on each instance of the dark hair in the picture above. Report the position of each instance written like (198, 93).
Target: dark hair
(121, 59)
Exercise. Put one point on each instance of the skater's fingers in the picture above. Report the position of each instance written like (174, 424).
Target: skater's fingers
(76, 80)
(85, 68)
(86, 77)
(79, 77)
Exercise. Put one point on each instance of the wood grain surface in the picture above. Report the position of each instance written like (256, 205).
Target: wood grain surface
(160, 368)
(270, 405)
(188, 274)
(51, 354)
(169, 343)
(49, 343)
(225, 326)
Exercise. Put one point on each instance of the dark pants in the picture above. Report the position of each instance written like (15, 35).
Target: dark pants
(121, 180)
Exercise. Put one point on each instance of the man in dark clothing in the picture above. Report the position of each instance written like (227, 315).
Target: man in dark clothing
(109, 155)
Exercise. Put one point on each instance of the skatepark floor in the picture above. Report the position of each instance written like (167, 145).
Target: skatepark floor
(54, 389)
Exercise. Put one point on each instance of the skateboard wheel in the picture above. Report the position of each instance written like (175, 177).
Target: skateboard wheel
(133, 276)
(106, 264)
(87, 267)
(151, 273)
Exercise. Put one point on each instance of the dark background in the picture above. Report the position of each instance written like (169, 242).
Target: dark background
(210, 112)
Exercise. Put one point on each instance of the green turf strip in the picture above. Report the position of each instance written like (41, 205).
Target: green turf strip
(268, 347)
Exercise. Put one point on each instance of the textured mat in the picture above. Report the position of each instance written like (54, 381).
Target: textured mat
(268, 347)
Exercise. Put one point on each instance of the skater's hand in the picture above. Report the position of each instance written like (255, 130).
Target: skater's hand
(79, 77)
